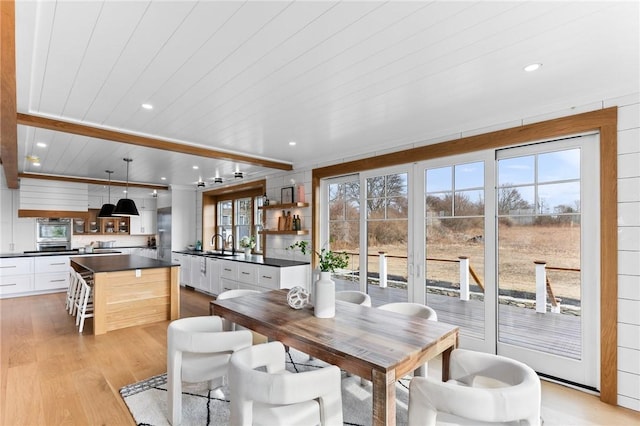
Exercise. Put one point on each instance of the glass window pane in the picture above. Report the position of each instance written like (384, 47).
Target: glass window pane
(516, 201)
(469, 203)
(516, 171)
(396, 185)
(397, 208)
(560, 165)
(439, 180)
(559, 198)
(352, 210)
(469, 176)
(439, 205)
(376, 208)
(376, 187)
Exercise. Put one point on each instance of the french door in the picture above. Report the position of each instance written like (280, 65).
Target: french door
(510, 242)
(503, 243)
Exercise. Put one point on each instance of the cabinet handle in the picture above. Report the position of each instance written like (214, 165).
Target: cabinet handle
(61, 263)
(8, 285)
(246, 273)
(267, 277)
(10, 266)
(227, 269)
(57, 281)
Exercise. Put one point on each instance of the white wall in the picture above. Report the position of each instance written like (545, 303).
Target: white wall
(628, 251)
(183, 217)
(628, 226)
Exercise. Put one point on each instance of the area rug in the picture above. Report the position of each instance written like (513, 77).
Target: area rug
(147, 400)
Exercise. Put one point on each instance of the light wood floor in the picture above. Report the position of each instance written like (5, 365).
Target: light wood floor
(50, 374)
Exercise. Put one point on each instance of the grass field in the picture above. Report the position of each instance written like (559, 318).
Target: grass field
(518, 248)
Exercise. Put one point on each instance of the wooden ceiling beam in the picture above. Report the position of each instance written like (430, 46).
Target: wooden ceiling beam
(93, 181)
(145, 141)
(8, 102)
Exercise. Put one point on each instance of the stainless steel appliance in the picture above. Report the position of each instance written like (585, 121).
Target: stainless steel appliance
(164, 234)
(53, 234)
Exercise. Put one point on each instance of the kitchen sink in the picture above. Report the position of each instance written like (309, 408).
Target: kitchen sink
(219, 253)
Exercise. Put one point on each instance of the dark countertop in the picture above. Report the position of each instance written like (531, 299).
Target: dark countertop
(255, 259)
(123, 262)
(59, 253)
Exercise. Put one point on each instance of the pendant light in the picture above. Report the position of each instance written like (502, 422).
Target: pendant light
(107, 209)
(126, 206)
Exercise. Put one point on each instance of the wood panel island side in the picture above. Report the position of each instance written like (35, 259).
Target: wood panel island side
(131, 290)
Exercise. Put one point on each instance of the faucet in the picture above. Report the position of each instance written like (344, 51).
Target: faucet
(213, 241)
(233, 243)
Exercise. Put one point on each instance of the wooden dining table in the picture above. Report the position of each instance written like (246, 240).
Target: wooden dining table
(377, 345)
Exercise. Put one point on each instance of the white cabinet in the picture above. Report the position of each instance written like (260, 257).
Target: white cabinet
(95, 202)
(198, 273)
(185, 268)
(145, 223)
(213, 275)
(51, 272)
(17, 234)
(16, 275)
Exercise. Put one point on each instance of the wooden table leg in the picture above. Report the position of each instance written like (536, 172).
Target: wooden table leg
(446, 356)
(384, 398)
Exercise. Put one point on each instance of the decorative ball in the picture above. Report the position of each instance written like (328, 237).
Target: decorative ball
(297, 297)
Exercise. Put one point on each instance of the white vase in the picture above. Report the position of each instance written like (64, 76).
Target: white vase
(324, 296)
(247, 251)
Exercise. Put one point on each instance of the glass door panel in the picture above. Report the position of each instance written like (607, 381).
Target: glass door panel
(547, 304)
(387, 237)
(454, 214)
(344, 227)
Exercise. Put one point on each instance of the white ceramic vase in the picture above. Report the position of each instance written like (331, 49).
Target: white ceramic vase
(324, 296)
(247, 251)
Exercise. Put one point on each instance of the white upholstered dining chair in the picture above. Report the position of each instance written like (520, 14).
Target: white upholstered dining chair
(416, 310)
(230, 294)
(354, 296)
(277, 397)
(483, 389)
(198, 350)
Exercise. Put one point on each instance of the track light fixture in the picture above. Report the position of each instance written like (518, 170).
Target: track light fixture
(238, 175)
(217, 180)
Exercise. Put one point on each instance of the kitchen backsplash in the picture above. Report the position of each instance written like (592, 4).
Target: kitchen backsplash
(78, 241)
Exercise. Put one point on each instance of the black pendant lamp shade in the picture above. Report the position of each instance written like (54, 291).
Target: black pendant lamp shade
(126, 206)
(107, 209)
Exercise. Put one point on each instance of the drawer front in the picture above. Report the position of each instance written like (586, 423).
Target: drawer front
(16, 266)
(47, 264)
(269, 277)
(51, 281)
(247, 273)
(229, 270)
(227, 285)
(16, 284)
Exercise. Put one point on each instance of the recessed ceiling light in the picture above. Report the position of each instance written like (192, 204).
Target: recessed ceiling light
(163, 178)
(532, 67)
(37, 164)
(292, 143)
(195, 167)
(41, 144)
(147, 106)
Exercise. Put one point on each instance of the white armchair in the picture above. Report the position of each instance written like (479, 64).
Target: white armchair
(198, 350)
(354, 296)
(415, 310)
(483, 388)
(274, 397)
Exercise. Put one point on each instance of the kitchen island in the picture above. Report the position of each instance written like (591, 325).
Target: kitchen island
(131, 290)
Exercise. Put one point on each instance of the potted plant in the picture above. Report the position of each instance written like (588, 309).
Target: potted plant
(248, 243)
(324, 289)
(329, 260)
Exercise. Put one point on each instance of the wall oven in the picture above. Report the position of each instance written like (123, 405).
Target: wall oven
(53, 234)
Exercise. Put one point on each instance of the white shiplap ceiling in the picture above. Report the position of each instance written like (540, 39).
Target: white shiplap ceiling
(339, 78)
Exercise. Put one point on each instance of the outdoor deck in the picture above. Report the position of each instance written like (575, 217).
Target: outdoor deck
(553, 333)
